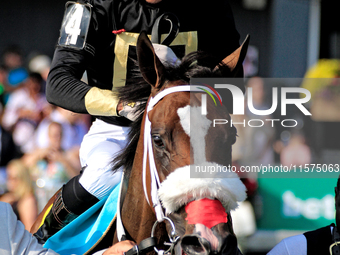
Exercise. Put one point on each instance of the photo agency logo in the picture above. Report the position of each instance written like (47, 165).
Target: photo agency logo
(236, 126)
(246, 103)
(204, 97)
(277, 104)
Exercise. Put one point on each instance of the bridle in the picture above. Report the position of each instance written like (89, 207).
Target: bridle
(155, 182)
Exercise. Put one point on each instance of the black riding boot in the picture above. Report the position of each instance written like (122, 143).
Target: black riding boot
(57, 218)
(70, 202)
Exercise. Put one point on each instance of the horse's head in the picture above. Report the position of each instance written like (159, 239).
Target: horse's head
(182, 139)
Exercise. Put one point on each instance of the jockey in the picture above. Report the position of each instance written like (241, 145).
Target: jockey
(99, 37)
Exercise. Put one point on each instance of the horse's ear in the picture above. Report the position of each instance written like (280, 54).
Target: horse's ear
(234, 60)
(150, 66)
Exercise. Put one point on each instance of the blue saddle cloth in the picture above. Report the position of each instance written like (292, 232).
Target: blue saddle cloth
(83, 233)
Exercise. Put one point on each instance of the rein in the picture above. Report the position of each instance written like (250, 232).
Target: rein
(155, 182)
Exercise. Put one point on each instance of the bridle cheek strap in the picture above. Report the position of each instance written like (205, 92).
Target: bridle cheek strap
(148, 149)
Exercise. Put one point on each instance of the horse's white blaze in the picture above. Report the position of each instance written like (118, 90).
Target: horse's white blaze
(184, 117)
(191, 117)
(178, 189)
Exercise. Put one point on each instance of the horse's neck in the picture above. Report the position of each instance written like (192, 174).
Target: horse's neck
(137, 215)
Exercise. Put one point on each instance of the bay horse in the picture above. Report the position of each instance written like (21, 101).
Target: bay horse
(194, 213)
(161, 184)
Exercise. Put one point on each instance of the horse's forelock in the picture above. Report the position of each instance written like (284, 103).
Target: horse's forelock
(195, 64)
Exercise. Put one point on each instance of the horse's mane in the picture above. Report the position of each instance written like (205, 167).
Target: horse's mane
(193, 65)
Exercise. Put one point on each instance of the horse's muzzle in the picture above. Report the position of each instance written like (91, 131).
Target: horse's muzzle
(197, 245)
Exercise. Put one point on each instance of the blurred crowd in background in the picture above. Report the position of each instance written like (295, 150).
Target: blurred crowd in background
(39, 142)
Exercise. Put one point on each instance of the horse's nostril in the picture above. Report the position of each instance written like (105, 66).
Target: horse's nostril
(195, 245)
(229, 246)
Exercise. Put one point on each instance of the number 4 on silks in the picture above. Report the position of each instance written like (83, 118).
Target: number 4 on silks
(75, 25)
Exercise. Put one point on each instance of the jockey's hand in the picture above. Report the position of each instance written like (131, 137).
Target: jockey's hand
(128, 110)
(119, 248)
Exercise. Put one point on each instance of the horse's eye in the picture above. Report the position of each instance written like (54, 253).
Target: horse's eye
(158, 141)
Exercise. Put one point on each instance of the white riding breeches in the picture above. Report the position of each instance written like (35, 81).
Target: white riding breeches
(96, 153)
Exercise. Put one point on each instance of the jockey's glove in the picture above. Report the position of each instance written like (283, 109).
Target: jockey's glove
(129, 111)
